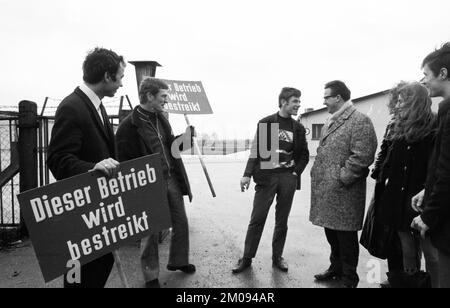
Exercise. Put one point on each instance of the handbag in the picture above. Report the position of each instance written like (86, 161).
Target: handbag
(376, 237)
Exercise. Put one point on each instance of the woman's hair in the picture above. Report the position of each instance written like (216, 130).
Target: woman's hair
(393, 97)
(416, 120)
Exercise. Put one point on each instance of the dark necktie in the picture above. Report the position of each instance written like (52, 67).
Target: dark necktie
(106, 124)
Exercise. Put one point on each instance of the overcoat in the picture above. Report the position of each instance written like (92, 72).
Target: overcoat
(338, 176)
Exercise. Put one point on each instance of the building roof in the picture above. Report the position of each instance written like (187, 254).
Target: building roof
(355, 101)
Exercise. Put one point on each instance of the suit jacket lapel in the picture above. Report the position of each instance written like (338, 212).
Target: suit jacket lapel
(94, 113)
(339, 122)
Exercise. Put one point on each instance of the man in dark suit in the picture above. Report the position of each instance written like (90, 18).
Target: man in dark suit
(275, 173)
(146, 131)
(83, 140)
(434, 201)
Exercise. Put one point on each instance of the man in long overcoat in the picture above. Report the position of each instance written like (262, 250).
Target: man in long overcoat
(338, 181)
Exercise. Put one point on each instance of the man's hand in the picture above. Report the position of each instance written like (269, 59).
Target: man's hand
(417, 201)
(107, 166)
(190, 131)
(245, 183)
(419, 225)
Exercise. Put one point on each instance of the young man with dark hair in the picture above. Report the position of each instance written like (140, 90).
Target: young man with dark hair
(434, 201)
(275, 173)
(82, 140)
(146, 131)
(338, 181)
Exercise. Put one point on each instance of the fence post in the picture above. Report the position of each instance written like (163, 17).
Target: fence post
(28, 125)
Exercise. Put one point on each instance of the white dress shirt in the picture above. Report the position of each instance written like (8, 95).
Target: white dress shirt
(95, 100)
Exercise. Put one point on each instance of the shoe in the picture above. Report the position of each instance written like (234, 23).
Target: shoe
(280, 264)
(153, 284)
(242, 265)
(328, 275)
(188, 269)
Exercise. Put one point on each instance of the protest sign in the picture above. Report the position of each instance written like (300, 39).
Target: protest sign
(186, 97)
(87, 216)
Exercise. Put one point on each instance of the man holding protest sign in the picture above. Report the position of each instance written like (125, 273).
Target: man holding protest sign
(278, 157)
(146, 131)
(82, 140)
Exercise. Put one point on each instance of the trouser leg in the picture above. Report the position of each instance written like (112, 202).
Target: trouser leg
(444, 270)
(349, 253)
(285, 193)
(335, 255)
(150, 257)
(431, 255)
(179, 245)
(262, 201)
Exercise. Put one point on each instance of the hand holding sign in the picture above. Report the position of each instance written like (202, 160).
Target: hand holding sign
(87, 216)
(107, 166)
(189, 97)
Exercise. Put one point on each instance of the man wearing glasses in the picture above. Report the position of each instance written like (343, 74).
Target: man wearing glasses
(338, 181)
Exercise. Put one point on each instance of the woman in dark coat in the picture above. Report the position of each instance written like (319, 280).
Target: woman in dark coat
(388, 245)
(404, 174)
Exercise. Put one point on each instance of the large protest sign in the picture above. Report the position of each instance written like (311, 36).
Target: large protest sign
(90, 215)
(187, 97)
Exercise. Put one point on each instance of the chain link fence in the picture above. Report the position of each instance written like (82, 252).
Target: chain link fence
(9, 206)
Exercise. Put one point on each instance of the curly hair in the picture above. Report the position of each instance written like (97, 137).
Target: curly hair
(393, 97)
(100, 61)
(417, 120)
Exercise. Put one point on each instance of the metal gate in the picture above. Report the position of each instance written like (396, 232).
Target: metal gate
(9, 178)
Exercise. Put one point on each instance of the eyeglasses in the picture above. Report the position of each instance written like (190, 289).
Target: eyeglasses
(327, 97)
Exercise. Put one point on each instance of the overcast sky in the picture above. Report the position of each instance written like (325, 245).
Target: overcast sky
(243, 51)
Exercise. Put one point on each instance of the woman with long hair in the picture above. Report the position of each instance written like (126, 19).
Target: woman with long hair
(378, 239)
(404, 174)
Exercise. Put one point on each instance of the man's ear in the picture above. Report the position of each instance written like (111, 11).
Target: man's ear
(106, 77)
(149, 96)
(443, 73)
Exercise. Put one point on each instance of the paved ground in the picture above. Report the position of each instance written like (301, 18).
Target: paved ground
(218, 226)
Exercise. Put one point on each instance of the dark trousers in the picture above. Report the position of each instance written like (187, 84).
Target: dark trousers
(93, 274)
(444, 270)
(283, 185)
(344, 253)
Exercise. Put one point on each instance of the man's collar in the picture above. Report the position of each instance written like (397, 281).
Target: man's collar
(146, 112)
(91, 95)
(341, 110)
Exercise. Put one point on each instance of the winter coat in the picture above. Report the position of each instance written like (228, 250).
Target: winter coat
(338, 176)
(404, 175)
